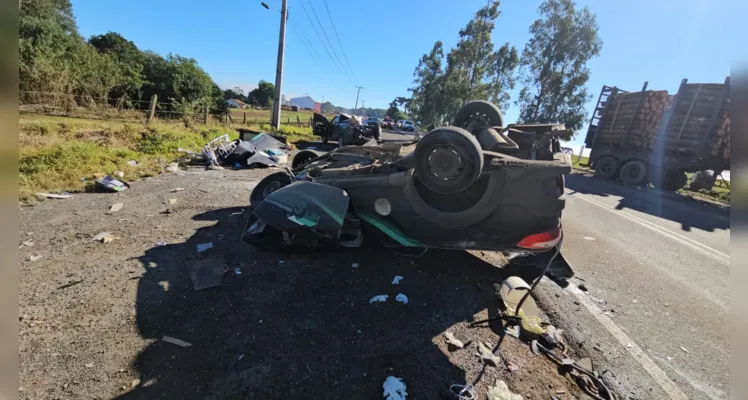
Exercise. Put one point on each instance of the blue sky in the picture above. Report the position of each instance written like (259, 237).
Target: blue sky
(660, 41)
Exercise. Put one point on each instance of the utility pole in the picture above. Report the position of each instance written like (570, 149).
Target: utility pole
(355, 108)
(279, 67)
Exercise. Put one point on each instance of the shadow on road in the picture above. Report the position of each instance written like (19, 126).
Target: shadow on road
(689, 213)
(302, 327)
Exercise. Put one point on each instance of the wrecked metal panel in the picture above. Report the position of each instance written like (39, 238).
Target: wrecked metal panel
(306, 208)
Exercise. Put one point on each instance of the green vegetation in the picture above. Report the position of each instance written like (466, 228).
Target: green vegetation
(552, 69)
(57, 153)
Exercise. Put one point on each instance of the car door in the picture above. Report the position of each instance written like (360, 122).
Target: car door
(321, 126)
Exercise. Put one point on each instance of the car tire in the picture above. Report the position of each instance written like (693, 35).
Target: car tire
(607, 167)
(489, 114)
(268, 185)
(668, 180)
(448, 160)
(634, 173)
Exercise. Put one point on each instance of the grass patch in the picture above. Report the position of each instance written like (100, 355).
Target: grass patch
(61, 154)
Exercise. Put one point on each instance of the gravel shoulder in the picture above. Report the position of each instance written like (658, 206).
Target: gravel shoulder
(93, 315)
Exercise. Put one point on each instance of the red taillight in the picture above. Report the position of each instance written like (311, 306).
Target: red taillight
(541, 241)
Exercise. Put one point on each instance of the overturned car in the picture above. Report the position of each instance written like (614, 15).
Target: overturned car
(460, 187)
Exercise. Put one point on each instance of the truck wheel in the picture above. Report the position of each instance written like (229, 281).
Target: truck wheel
(607, 167)
(448, 160)
(484, 113)
(634, 173)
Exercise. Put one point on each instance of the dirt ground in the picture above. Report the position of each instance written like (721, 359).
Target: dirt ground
(93, 315)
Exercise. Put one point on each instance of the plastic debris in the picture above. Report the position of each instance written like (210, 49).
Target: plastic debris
(513, 331)
(500, 391)
(116, 207)
(35, 258)
(402, 298)
(394, 388)
(134, 383)
(486, 354)
(204, 246)
(172, 201)
(104, 237)
(684, 349)
(511, 366)
(110, 184)
(54, 195)
(379, 299)
(463, 392)
(132, 163)
(553, 336)
(459, 341)
(173, 168)
(28, 243)
(119, 174)
(589, 238)
(159, 244)
(354, 265)
(397, 280)
(177, 190)
(237, 271)
(182, 343)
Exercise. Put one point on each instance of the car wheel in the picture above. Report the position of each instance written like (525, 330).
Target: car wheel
(268, 185)
(607, 167)
(483, 113)
(634, 173)
(448, 160)
(302, 158)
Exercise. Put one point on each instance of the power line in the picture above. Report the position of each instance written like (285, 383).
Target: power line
(322, 28)
(319, 37)
(306, 46)
(342, 50)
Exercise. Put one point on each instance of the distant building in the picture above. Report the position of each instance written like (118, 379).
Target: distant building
(236, 103)
(304, 102)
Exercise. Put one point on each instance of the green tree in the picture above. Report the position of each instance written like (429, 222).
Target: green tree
(502, 75)
(130, 62)
(554, 64)
(427, 92)
(263, 94)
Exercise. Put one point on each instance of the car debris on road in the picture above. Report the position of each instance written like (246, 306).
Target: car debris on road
(394, 388)
(178, 342)
(110, 184)
(460, 341)
(261, 150)
(379, 298)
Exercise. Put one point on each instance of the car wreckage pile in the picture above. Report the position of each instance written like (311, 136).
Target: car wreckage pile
(251, 150)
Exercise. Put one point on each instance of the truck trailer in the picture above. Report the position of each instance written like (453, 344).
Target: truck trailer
(650, 136)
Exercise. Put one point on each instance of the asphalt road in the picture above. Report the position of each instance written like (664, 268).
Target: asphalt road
(656, 270)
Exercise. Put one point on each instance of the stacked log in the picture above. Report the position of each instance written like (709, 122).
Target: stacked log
(636, 115)
(690, 122)
(721, 142)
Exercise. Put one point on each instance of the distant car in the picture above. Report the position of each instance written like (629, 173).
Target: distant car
(338, 127)
(399, 124)
(408, 126)
(387, 123)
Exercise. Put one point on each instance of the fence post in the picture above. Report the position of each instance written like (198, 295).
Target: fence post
(227, 116)
(152, 108)
(298, 121)
(245, 118)
(205, 115)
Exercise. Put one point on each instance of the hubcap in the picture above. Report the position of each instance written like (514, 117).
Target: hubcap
(445, 163)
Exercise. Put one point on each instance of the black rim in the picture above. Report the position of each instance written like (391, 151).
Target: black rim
(445, 162)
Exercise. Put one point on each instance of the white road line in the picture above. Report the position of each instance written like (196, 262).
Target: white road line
(672, 390)
(700, 247)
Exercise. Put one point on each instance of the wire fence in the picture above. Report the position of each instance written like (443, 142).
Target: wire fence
(107, 108)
